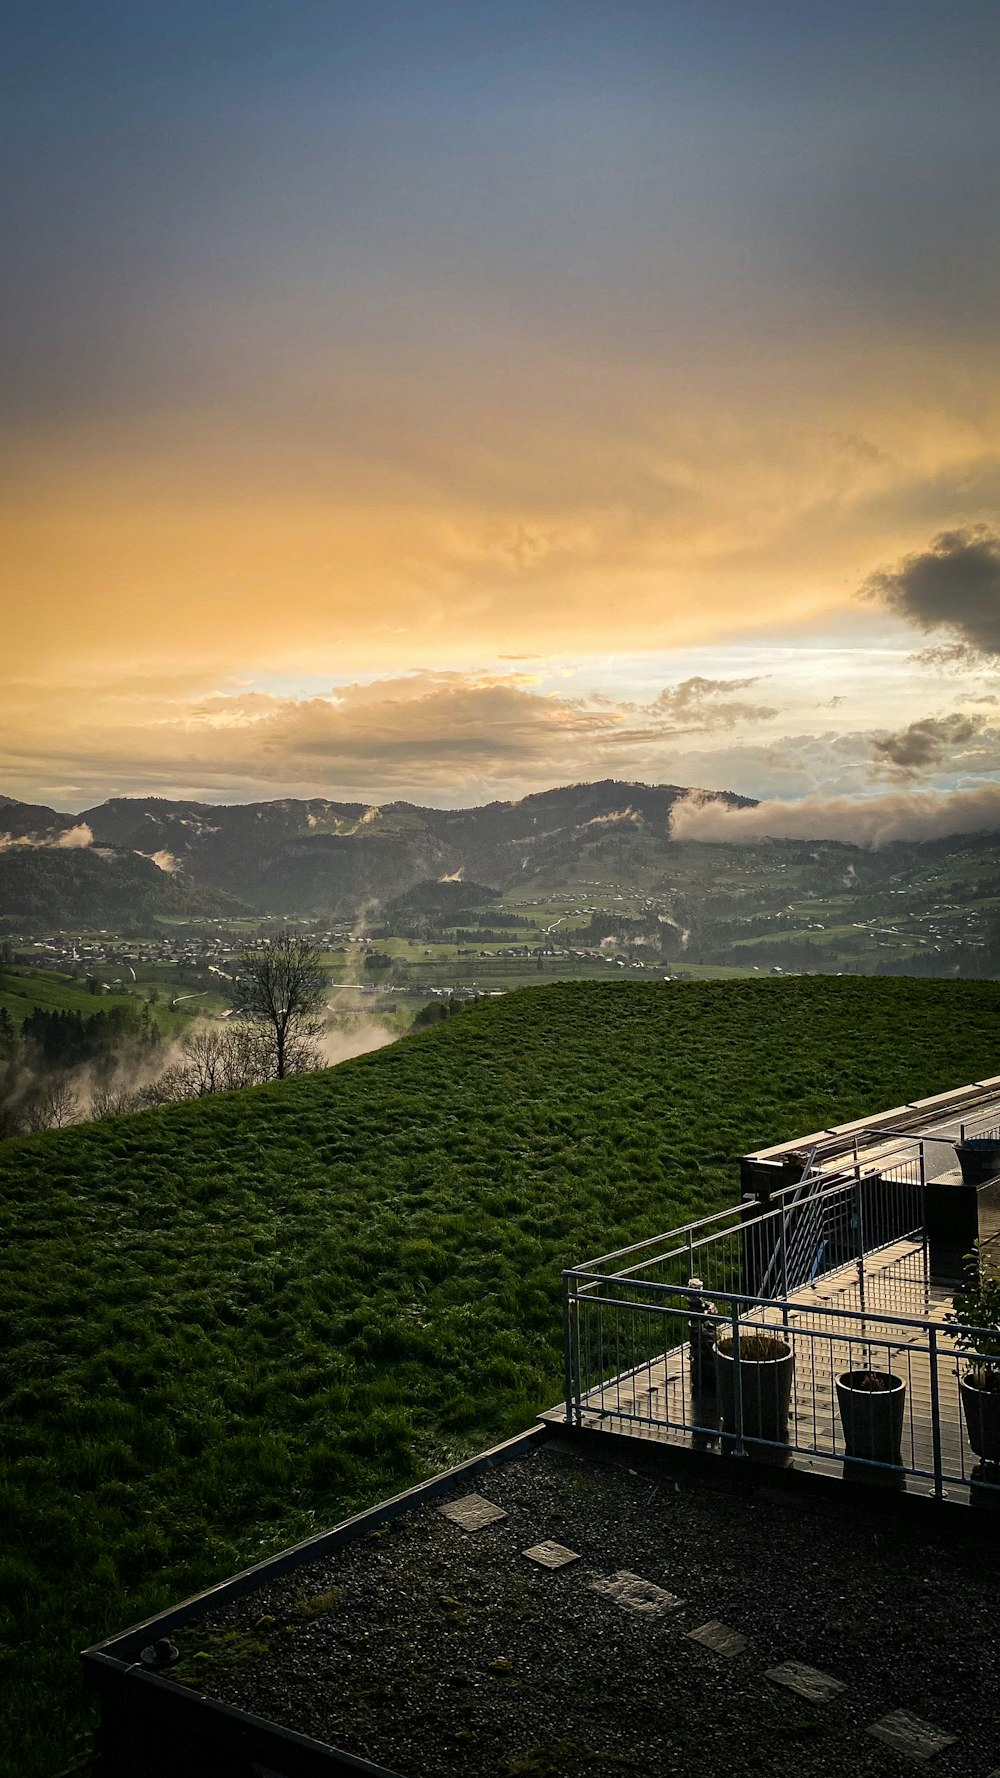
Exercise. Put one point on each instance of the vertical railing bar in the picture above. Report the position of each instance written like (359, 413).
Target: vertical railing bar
(567, 1348)
(600, 1349)
(586, 1309)
(737, 1381)
(860, 1242)
(932, 1353)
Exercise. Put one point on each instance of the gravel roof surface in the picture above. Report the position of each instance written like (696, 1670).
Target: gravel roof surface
(439, 1651)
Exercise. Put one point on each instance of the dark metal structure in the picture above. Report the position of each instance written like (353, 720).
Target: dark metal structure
(845, 1248)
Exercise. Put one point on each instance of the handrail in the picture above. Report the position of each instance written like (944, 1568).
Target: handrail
(701, 1222)
(832, 1189)
(883, 1317)
(869, 1169)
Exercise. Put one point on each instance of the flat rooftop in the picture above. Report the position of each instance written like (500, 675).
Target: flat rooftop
(441, 1652)
(939, 1120)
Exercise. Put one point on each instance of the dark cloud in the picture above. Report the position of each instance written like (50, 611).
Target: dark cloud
(954, 585)
(707, 704)
(952, 657)
(924, 744)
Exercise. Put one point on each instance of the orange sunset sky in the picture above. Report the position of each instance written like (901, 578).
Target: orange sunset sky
(445, 402)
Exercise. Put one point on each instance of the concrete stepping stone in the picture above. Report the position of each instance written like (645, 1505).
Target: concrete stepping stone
(473, 1512)
(551, 1555)
(719, 1638)
(806, 1682)
(910, 1736)
(635, 1594)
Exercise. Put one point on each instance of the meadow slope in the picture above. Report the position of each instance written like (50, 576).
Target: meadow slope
(227, 1323)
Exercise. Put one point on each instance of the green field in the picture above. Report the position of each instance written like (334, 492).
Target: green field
(229, 1322)
(25, 990)
(28, 990)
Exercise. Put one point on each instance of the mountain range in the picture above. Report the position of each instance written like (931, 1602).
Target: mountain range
(310, 856)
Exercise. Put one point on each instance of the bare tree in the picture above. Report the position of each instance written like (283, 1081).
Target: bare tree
(279, 989)
(246, 1056)
(221, 1059)
(214, 1059)
(50, 1104)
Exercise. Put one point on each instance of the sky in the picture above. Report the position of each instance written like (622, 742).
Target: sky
(445, 401)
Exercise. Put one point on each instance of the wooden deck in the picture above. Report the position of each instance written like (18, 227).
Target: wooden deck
(654, 1399)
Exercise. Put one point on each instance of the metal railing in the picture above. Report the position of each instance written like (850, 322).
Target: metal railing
(774, 1251)
(643, 1360)
(642, 1327)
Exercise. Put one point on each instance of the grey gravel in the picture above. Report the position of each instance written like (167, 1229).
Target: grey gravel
(441, 1655)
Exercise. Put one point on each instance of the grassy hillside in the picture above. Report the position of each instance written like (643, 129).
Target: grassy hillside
(26, 990)
(226, 1323)
(23, 990)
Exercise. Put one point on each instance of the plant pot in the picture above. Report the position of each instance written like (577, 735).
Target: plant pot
(979, 1159)
(872, 1418)
(766, 1387)
(982, 1419)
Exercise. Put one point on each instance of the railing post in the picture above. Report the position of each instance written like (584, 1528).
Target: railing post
(932, 1353)
(860, 1247)
(737, 1382)
(570, 1379)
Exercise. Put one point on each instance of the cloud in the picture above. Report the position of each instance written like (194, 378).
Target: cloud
(436, 736)
(952, 657)
(708, 704)
(954, 585)
(71, 839)
(787, 767)
(74, 837)
(856, 821)
(923, 745)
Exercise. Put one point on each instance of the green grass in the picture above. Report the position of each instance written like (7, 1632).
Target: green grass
(24, 990)
(227, 1323)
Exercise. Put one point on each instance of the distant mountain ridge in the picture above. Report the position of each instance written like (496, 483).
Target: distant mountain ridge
(302, 856)
(95, 886)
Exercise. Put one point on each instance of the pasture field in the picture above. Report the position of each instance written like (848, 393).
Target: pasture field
(26, 990)
(227, 1323)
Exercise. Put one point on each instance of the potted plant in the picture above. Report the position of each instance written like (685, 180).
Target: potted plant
(703, 1325)
(871, 1406)
(979, 1158)
(766, 1364)
(977, 1308)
